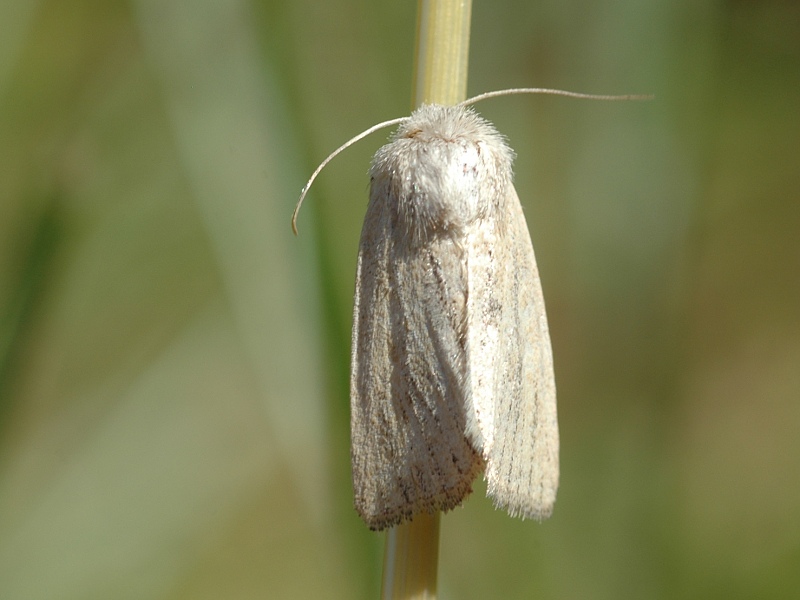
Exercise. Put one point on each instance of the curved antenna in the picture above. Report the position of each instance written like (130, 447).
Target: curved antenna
(551, 92)
(341, 148)
(467, 102)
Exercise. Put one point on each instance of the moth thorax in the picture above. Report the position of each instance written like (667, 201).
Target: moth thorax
(439, 187)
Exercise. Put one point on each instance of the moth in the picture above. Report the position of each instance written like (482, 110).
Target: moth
(451, 366)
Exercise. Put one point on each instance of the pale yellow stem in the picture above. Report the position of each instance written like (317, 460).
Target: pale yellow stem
(411, 559)
(442, 52)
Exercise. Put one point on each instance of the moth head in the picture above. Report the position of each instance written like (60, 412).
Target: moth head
(444, 169)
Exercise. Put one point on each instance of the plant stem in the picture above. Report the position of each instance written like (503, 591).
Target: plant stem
(442, 52)
(411, 558)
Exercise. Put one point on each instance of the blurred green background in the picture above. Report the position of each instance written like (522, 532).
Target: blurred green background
(174, 363)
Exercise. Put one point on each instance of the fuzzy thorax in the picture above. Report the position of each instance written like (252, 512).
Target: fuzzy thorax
(444, 168)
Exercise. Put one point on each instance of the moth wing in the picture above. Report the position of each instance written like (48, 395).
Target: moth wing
(513, 410)
(408, 386)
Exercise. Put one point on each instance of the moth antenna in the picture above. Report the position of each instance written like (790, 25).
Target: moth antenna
(511, 91)
(341, 148)
(467, 102)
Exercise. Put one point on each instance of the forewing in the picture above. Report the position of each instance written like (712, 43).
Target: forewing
(408, 384)
(513, 409)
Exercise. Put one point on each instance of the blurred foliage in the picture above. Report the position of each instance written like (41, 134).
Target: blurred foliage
(173, 363)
